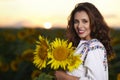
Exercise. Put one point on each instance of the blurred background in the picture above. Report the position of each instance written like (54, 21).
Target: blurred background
(22, 21)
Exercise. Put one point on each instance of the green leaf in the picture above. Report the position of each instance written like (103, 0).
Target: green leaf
(44, 76)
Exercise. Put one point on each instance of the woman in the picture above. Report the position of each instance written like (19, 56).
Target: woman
(90, 34)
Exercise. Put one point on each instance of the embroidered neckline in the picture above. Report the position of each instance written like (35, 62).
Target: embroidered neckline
(87, 43)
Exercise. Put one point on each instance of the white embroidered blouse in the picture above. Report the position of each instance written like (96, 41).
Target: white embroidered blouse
(94, 58)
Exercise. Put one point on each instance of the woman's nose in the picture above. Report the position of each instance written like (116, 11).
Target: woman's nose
(79, 25)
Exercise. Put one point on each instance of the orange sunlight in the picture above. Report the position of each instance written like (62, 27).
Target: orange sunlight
(34, 13)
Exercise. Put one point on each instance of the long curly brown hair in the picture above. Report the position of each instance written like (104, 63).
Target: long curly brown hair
(99, 29)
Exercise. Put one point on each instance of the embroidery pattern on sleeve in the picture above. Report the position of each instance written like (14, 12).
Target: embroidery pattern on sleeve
(94, 48)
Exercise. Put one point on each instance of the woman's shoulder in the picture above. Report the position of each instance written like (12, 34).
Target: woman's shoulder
(91, 44)
(95, 44)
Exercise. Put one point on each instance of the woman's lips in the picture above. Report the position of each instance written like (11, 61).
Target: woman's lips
(81, 31)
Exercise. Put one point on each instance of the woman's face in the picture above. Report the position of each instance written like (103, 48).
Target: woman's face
(82, 25)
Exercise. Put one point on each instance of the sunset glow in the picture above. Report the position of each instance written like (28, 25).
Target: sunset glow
(47, 25)
(35, 13)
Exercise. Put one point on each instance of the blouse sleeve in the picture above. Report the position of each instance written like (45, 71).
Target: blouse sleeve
(94, 64)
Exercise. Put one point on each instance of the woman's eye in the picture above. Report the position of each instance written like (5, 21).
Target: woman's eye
(84, 21)
(76, 21)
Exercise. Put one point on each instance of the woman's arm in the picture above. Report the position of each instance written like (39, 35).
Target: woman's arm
(60, 75)
(95, 66)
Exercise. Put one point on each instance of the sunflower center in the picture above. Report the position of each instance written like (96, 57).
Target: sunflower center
(43, 54)
(60, 53)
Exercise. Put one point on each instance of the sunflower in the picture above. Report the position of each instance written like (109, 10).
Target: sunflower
(27, 55)
(60, 54)
(41, 52)
(74, 62)
(14, 65)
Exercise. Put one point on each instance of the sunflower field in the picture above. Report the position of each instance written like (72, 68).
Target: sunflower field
(17, 47)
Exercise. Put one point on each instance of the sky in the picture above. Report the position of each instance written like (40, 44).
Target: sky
(35, 13)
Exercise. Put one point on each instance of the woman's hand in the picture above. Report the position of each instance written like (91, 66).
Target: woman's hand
(61, 75)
